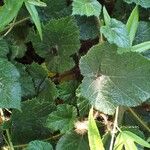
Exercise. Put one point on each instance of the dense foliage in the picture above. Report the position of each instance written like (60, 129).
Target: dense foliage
(75, 74)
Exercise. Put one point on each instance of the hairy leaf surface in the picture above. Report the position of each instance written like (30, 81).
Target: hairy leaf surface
(63, 119)
(66, 91)
(62, 36)
(4, 48)
(73, 141)
(82, 103)
(143, 32)
(88, 27)
(55, 9)
(28, 124)
(10, 89)
(111, 79)
(39, 145)
(26, 82)
(44, 87)
(116, 33)
(86, 7)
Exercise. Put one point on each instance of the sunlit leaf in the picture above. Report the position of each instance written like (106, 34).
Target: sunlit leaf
(86, 7)
(95, 140)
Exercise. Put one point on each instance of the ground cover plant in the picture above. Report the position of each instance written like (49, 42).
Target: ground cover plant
(75, 74)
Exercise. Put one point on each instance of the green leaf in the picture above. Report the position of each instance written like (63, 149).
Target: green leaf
(126, 142)
(10, 89)
(95, 140)
(47, 90)
(116, 33)
(35, 17)
(17, 50)
(141, 47)
(83, 106)
(44, 87)
(63, 119)
(4, 49)
(111, 79)
(59, 64)
(132, 23)
(128, 139)
(39, 145)
(67, 91)
(119, 142)
(135, 130)
(143, 3)
(55, 10)
(136, 139)
(27, 86)
(9, 11)
(107, 18)
(106, 140)
(86, 7)
(73, 141)
(88, 27)
(30, 121)
(143, 32)
(63, 38)
(82, 103)
(37, 3)
(38, 74)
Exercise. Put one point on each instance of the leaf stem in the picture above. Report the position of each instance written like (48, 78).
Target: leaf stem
(53, 137)
(99, 24)
(2, 114)
(114, 129)
(16, 23)
(50, 138)
(9, 140)
(11, 27)
(139, 119)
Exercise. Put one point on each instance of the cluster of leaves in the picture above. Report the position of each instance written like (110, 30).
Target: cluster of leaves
(63, 58)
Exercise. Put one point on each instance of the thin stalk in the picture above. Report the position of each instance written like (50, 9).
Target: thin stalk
(5, 140)
(114, 129)
(2, 114)
(9, 140)
(50, 138)
(53, 137)
(99, 24)
(139, 119)
(16, 23)
(11, 27)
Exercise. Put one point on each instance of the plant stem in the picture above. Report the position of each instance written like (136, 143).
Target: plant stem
(16, 23)
(9, 140)
(2, 114)
(50, 138)
(53, 137)
(139, 119)
(99, 24)
(114, 129)
(11, 27)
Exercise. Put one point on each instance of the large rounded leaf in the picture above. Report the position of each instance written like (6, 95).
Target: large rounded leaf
(60, 41)
(112, 79)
